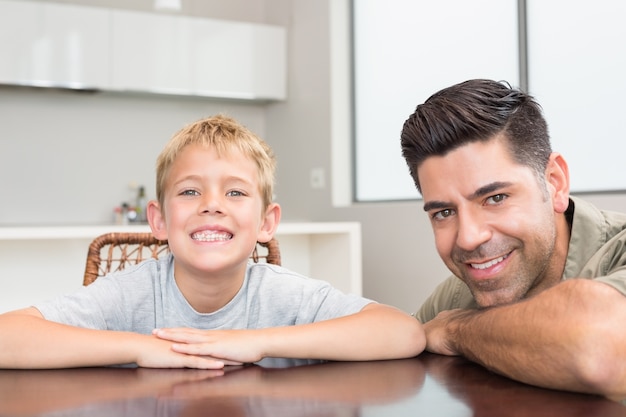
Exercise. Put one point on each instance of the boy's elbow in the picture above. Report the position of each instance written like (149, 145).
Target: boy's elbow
(419, 338)
(402, 334)
(412, 341)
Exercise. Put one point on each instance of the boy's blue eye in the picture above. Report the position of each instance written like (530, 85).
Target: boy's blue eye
(189, 192)
(235, 193)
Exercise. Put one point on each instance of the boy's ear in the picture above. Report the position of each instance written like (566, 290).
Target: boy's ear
(156, 220)
(269, 223)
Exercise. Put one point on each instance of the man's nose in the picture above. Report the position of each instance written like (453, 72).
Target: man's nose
(473, 230)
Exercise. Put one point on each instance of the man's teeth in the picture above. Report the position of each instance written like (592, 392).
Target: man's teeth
(211, 236)
(488, 264)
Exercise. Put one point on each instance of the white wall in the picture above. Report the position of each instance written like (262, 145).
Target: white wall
(69, 158)
(400, 264)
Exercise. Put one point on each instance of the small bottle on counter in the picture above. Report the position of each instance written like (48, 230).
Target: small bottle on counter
(118, 215)
(140, 205)
(124, 213)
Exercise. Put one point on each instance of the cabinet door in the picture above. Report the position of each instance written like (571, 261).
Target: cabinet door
(75, 48)
(53, 45)
(150, 53)
(238, 60)
(19, 23)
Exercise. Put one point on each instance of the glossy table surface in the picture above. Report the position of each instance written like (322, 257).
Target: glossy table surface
(429, 385)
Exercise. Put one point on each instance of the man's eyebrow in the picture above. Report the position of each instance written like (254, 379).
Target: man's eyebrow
(481, 192)
(489, 188)
(436, 205)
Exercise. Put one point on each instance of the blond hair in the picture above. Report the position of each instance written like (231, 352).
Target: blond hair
(224, 135)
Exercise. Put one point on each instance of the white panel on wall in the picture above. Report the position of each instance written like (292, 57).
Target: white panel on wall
(577, 62)
(406, 50)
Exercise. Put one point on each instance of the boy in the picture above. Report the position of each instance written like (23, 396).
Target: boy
(205, 305)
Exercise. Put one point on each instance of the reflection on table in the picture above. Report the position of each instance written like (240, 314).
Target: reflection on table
(429, 385)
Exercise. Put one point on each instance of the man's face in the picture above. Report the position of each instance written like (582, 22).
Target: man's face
(493, 220)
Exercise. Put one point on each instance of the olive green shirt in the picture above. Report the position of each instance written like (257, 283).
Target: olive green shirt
(597, 250)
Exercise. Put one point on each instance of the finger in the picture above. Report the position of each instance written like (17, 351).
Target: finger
(180, 335)
(209, 362)
(201, 351)
(201, 362)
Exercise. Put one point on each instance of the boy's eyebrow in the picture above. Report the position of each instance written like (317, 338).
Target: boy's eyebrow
(480, 192)
(195, 177)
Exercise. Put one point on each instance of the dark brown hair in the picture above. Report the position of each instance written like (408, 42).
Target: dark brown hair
(477, 110)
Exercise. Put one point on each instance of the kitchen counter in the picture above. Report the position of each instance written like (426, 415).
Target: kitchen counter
(38, 262)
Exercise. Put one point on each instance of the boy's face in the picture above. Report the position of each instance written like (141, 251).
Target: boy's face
(213, 211)
(494, 222)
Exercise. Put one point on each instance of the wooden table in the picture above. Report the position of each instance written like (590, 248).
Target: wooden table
(429, 385)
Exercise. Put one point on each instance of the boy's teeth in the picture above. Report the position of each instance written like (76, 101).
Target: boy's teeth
(211, 236)
(488, 264)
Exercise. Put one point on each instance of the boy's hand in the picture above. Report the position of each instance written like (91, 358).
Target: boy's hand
(232, 347)
(160, 354)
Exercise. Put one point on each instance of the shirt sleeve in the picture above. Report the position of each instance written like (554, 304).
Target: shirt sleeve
(451, 293)
(90, 307)
(114, 302)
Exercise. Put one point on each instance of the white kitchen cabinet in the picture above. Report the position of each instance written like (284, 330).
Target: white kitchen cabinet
(150, 53)
(18, 21)
(37, 263)
(68, 46)
(232, 59)
(52, 45)
(193, 56)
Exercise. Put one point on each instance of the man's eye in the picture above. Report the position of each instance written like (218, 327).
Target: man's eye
(440, 215)
(498, 198)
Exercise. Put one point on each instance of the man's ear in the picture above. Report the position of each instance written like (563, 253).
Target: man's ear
(557, 180)
(156, 219)
(269, 223)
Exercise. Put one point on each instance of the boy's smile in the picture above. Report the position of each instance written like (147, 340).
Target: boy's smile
(211, 236)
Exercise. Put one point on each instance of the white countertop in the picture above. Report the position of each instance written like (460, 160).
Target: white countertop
(91, 231)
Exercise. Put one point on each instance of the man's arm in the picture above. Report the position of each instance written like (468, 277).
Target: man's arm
(28, 341)
(568, 337)
(376, 332)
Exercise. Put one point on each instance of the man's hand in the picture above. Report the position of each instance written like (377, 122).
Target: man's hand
(439, 331)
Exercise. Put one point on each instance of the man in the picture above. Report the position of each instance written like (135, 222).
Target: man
(539, 277)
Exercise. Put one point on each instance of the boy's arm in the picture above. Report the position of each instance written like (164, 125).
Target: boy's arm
(376, 332)
(29, 341)
(568, 337)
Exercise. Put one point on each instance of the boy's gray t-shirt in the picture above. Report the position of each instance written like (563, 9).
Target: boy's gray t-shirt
(144, 297)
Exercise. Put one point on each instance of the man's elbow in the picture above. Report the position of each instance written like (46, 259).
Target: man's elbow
(599, 359)
(604, 374)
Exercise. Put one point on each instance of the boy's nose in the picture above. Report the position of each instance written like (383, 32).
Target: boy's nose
(211, 205)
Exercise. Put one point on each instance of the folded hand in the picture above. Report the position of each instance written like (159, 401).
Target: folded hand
(232, 347)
